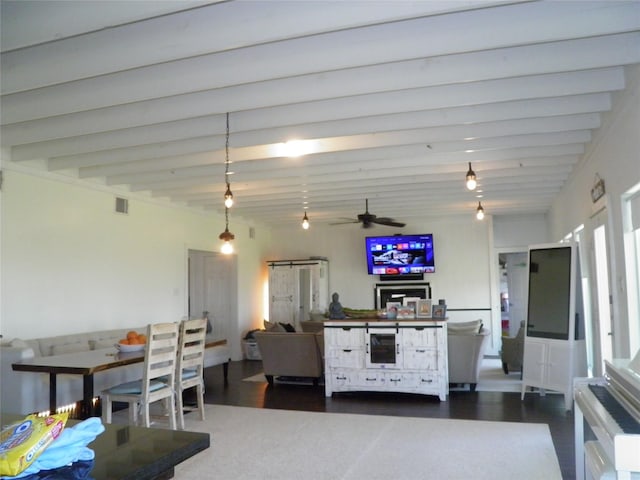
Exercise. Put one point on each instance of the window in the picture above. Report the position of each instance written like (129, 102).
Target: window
(631, 226)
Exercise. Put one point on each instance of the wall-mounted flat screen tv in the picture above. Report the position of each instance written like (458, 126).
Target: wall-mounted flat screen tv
(400, 254)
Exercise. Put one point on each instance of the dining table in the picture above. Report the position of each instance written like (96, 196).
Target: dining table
(86, 364)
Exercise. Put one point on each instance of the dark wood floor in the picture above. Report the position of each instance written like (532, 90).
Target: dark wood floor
(490, 406)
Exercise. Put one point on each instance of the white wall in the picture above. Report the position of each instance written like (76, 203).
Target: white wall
(70, 264)
(515, 232)
(461, 256)
(614, 157)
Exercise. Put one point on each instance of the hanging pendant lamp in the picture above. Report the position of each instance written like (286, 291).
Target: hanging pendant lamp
(471, 179)
(479, 212)
(226, 236)
(305, 221)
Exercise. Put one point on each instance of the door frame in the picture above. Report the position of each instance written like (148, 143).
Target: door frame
(496, 314)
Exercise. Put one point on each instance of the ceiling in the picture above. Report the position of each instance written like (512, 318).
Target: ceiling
(393, 99)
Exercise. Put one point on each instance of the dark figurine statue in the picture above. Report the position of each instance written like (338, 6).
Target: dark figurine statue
(335, 308)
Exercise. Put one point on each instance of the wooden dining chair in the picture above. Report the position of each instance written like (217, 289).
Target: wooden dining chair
(189, 371)
(158, 380)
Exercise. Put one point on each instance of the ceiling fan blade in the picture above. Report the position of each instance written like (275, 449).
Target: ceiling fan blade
(388, 221)
(346, 220)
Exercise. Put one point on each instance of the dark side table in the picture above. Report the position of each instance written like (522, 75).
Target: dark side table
(125, 452)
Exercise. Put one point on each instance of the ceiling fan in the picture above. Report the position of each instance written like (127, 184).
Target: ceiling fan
(368, 219)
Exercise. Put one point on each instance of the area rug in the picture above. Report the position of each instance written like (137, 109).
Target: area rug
(491, 379)
(255, 443)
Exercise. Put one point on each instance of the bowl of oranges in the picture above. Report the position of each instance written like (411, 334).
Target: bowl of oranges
(133, 343)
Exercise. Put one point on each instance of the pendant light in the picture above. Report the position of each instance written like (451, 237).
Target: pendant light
(479, 212)
(228, 195)
(471, 179)
(305, 221)
(226, 236)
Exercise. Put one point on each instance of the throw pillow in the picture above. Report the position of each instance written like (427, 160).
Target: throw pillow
(288, 327)
(465, 328)
(273, 327)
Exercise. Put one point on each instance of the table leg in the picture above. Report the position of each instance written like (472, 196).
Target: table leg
(87, 409)
(52, 393)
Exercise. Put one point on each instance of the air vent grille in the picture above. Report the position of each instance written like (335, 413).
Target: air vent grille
(122, 205)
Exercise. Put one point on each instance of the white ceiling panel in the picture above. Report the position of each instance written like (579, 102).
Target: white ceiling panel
(392, 100)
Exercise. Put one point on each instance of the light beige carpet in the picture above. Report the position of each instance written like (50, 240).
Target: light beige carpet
(256, 443)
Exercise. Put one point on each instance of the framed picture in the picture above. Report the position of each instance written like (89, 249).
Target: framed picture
(392, 307)
(423, 309)
(411, 302)
(406, 312)
(439, 311)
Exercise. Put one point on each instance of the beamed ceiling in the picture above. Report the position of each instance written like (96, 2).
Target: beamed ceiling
(394, 98)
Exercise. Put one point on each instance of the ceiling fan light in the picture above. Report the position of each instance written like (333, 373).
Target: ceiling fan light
(228, 197)
(471, 179)
(479, 212)
(305, 221)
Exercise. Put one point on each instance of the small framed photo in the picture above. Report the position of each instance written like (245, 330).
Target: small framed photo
(439, 311)
(406, 312)
(411, 302)
(424, 308)
(393, 307)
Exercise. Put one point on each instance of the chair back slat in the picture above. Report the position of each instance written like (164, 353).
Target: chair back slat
(191, 345)
(161, 352)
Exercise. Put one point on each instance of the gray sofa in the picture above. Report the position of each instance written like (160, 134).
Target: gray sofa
(466, 343)
(26, 392)
(291, 354)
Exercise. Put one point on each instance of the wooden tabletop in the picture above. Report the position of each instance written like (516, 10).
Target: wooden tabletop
(89, 362)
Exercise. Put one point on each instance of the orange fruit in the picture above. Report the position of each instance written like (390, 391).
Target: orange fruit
(132, 334)
(123, 341)
(142, 339)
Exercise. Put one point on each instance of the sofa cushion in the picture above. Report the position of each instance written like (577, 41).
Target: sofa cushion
(288, 327)
(61, 349)
(465, 328)
(19, 343)
(98, 344)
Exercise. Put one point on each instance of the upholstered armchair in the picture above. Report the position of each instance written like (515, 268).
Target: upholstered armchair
(513, 351)
(466, 342)
(289, 354)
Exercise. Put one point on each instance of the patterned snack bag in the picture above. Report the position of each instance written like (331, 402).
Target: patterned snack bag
(22, 442)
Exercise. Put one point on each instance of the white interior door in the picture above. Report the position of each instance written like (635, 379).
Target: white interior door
(283, 294)
(602, 299)
(213, 289)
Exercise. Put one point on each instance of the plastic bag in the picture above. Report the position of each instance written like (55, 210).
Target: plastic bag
(22, 442)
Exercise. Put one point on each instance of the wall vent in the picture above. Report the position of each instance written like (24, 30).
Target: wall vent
(122, 205)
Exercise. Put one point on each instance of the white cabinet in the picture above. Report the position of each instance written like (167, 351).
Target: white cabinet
(408, 357)
(554, 346)
(297, 287)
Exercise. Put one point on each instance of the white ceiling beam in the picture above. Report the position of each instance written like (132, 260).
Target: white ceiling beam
(366, 141)
(210, 125)
(191, 33)
(431, 135)
(563, 56)
(461, 95)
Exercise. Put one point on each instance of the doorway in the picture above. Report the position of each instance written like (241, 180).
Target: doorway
(513, 291)
(213, 291)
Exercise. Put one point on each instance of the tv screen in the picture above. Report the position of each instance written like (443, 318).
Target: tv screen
(400, 254)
